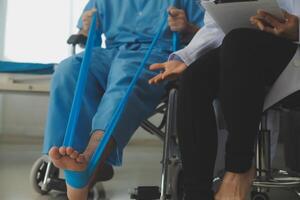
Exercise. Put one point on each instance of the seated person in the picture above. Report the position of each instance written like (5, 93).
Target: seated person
(237, 69)
(129, 27)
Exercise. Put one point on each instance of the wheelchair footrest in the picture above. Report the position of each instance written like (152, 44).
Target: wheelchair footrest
(57, 184)
(145, 193)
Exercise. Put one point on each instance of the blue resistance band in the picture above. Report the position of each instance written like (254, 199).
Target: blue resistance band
(80, 85)
(175, 41)
(81, 179)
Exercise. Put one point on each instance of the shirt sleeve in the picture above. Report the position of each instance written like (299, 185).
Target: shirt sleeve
(210, 36)
(175, 57)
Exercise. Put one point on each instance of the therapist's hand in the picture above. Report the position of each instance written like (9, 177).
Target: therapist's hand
(171, 69)
(287, 28)
(178, 21)
(86, 21)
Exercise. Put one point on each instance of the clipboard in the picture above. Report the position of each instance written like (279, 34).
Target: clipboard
(230, 16)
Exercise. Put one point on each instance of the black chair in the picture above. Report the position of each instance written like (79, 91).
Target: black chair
(267, 177)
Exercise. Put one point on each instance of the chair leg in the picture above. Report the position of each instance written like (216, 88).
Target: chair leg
(169, 146)
(265, 177)
(263, 151)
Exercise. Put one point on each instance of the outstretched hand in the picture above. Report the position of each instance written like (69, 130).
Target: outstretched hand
(172, 69)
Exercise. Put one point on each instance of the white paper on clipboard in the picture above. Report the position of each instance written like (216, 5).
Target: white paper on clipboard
(230, 16)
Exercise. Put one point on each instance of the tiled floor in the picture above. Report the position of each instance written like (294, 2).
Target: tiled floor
(141, 167)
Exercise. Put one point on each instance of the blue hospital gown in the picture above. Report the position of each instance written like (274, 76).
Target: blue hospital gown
(129, 27)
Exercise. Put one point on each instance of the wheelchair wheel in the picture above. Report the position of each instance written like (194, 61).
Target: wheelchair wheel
(259, 196)
(37, 174)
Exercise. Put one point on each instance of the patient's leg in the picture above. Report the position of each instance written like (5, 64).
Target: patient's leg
(70, 159)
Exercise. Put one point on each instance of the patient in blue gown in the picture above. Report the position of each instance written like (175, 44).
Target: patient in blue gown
(129, 27)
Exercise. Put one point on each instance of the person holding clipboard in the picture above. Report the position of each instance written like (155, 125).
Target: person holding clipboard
(236, 68)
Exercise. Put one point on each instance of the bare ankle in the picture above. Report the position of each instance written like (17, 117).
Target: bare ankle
(235, 185)
(93, 143)
(77, 194)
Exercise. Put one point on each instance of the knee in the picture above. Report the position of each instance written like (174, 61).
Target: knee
(239, 47)
(240, 40)
(65, 73)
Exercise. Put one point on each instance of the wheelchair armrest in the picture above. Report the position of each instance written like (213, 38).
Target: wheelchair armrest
(173, 84)
(77, 39)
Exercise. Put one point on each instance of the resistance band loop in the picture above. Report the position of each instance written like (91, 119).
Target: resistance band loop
(80, 85)
(176, 42)
(81, 179)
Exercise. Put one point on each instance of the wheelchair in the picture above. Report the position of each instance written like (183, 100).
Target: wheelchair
(45, 177)
(171, 176)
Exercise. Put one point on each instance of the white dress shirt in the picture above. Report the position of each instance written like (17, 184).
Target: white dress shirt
(211, 36)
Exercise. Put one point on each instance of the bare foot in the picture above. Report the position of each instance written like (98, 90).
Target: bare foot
(235, 186)
(70, 159)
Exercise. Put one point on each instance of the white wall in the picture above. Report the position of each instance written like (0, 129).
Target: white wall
(2, 28)
(25, 115)
(2, 25)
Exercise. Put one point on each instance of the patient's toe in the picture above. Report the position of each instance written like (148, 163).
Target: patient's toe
(69, 151)
(74, 155)
(62, 151)
(54, 153)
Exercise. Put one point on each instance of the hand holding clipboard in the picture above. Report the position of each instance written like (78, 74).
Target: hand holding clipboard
(237, 14)
(264, 14)
(287, 28)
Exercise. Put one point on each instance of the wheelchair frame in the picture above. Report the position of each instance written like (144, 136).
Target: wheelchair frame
(171, 175)
(267, 177)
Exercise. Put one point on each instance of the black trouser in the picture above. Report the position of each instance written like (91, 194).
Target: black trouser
(238, 72)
